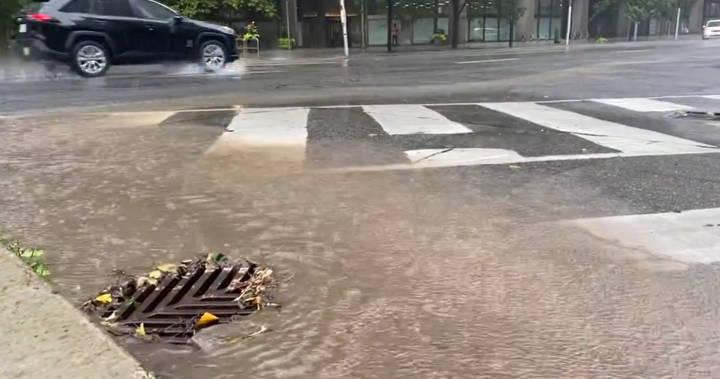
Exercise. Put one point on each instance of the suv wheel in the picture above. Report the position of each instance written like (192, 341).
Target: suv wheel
(90, 59)
(213, 56)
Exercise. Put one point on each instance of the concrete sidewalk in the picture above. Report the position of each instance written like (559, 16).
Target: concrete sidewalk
(46, 337)
(320, 53)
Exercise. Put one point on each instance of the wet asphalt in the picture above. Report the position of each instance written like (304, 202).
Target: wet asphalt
(548, 72)
(436, 273)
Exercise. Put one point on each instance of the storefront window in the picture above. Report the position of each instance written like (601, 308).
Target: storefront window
(377, 30)
(476, 30)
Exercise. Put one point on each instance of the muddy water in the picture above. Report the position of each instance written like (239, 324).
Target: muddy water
(383, 275)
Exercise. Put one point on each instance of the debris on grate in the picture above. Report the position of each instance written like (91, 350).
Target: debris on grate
(172, 302)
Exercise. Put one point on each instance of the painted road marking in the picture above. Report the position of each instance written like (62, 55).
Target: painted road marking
(644, 105)
(688, 237)
(488, 61)
(632, 51)
(412, 119)
(459, 157)
(485, 158)
(626, 139)
(271, 126)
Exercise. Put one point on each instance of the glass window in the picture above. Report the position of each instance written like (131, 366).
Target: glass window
(713, 24)
(117, 8)
(151, 10)
(475, 29)
(77, 6)
(491, 30)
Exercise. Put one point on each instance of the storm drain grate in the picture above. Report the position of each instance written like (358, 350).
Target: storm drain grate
(173, 302)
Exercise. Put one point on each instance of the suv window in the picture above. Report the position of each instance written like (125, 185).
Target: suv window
(117, 8)
(151, 10)
(78, 6)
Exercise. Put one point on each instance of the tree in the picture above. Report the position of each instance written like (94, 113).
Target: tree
(642, 10)
(9, 9)
(457, 7)
(512, 11)
(210, 9)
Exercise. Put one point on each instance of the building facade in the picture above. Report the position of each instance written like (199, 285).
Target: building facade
(316, 23)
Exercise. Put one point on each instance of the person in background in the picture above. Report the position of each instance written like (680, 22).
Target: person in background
(395, 33)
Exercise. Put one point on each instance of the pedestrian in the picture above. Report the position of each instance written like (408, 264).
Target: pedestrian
(395, 33)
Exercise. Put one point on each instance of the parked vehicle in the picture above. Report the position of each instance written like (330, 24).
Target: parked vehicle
(92, 35)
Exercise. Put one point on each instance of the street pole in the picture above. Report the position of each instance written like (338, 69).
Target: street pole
(287, 16)
(362, 23)
(677, 24)
(389, 24)
(567, 32)
(343, 20)
(635, 32)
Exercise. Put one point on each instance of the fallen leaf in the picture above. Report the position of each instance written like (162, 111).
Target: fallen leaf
(32, 253)
(166, 267)
(105, 298)
(143, 281)
(206, 319)
(112, 318)
(157, 274)
(514, 166)
(140, 331)
(265, 274)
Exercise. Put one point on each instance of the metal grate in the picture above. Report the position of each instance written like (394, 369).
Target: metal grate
(170, 309)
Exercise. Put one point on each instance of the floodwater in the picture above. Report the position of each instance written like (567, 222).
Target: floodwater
(382, 275)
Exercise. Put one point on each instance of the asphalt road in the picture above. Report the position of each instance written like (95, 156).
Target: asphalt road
(529, 73)
(500, 269)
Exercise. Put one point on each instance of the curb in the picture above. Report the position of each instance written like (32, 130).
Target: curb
(49, 338)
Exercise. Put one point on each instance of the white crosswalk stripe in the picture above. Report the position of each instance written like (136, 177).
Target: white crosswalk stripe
(619, 137)
(419, 136)
(644, 105)
(412, 119)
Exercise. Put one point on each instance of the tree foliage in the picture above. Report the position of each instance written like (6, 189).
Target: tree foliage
(10, 9)
(642, 10)
(210, 8)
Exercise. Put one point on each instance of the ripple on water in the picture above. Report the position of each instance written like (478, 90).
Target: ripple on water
(386, 275)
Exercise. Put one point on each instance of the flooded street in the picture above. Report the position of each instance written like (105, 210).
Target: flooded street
(438, 274)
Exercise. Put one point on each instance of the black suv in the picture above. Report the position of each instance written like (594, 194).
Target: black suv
(91, 35)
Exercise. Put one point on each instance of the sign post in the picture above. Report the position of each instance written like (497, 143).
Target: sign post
(569, 24)
(343, 20)
(677, 24)
(287, 15)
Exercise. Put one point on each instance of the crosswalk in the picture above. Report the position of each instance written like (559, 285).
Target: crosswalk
(412, 136)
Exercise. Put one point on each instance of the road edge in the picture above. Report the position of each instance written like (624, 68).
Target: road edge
(47, 337)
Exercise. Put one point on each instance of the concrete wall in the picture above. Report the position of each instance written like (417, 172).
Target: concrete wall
(580, 16)
(526, 24)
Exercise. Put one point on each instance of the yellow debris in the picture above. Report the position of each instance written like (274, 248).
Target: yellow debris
(168, 267)
(104, 298)
(140, 331)
(206, 319)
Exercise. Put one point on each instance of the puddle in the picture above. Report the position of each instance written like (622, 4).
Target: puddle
(381, 275)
